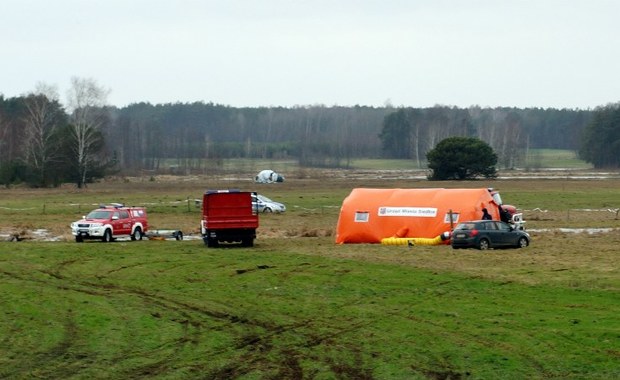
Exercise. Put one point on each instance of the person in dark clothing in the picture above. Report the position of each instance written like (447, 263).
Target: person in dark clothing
(486, 215)
(504, 215)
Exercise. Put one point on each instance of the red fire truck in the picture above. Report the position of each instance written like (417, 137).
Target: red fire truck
(111, 221)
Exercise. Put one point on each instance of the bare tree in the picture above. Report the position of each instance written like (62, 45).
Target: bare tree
(513, 144)
(41, 121)
(86, 101)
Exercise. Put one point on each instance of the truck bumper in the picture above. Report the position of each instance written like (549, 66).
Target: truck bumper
(88, 233)
(241, 235)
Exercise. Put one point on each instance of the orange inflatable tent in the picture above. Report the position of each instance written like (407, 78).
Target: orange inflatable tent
(369, 215)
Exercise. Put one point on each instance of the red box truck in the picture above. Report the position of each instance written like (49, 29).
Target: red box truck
(229, 216)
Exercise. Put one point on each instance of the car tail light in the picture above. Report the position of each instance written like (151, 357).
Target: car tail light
(473, 233)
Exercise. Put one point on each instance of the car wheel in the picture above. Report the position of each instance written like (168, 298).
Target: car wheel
(523, 242)
(267, 209)
(107, 236)
(137, 234)
(79, 239)
(483, 244)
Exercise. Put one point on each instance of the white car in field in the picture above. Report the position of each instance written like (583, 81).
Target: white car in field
(265, 204)
(268, 176)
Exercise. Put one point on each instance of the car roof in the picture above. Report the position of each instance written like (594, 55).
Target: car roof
(478, 222)
(481, 220)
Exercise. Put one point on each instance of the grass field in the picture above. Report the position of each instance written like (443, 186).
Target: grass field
(298, 306)
(536, 159)
(554, 158)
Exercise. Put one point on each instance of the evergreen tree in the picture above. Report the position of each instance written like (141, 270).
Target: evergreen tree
(461, 158)
(601, 139)
(396, 135)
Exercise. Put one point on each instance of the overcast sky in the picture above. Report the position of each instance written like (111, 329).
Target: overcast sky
(417, 53)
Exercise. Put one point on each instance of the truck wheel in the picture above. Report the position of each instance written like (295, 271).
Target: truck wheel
(79, 239)
(107, 236)
(213, 243)
(247, 242)
(137, 234)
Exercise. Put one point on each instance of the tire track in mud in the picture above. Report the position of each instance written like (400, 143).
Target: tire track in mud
(62, 360)
(58, 361)
(256, 346)
(289, 356)
(463, 338)
(190, 325)
(193, 320)
(253, 347)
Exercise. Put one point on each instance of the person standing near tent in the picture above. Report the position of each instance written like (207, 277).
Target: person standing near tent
(486, 215)
(504, 215)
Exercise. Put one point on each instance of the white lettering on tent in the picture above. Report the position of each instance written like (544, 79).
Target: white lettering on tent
(423, 212)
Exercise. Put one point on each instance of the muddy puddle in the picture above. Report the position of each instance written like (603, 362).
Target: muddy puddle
(45, 235)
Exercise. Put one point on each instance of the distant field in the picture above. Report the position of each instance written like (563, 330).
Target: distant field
(299, 306)
(555, 158)
(386, 164)
(536, 159)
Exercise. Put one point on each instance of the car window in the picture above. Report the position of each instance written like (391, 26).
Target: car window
(98, 215)
(490, 226)
(466, 226)
(124, 214)
(503, 226)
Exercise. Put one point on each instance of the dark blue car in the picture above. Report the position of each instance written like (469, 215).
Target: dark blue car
(486, 234)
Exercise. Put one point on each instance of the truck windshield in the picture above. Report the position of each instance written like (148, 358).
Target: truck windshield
(98, 214)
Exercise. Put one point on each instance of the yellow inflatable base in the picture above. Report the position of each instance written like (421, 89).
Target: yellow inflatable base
(412, 241)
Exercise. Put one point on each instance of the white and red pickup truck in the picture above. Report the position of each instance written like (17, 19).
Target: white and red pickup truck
(109, 222)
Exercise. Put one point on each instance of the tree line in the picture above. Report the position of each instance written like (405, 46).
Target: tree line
(601, 139)
(199, 134)
(412, 132)
(45, 143)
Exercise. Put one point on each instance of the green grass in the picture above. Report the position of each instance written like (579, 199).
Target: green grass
(386, 164)
(536, 159)
(180, 310)
(554, 158)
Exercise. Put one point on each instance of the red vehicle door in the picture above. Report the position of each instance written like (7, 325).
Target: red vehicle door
(121, 223)
(125, 222)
